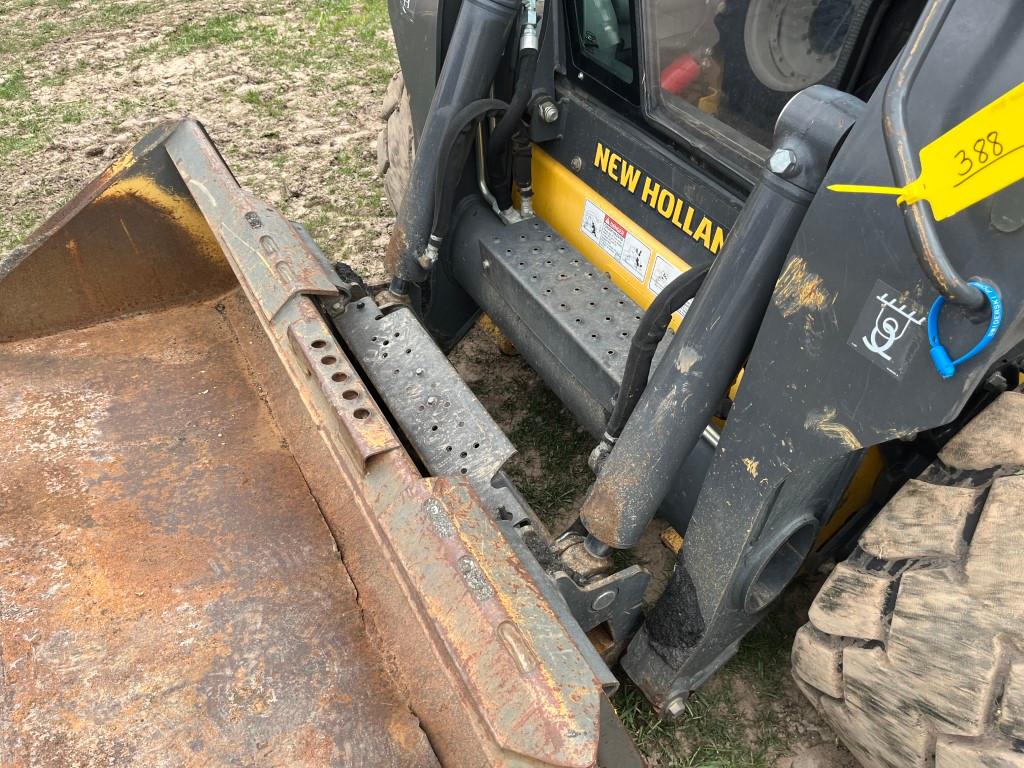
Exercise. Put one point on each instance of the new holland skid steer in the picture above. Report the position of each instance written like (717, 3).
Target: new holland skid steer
(767, 252)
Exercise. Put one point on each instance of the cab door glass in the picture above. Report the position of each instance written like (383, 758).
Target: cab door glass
(740, 61)
(606, 35)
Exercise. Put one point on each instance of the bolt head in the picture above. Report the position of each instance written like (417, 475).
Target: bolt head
(603, 600)
(676, 707)
(548, 111)
(577, 164)
(782, 162)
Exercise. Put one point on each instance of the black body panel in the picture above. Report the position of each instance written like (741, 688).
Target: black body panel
(813, 394)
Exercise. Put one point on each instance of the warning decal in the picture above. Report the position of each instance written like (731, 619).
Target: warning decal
(663, 274)
(615, 240)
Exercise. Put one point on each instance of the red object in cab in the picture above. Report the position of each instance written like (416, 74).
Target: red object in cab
(677, 76)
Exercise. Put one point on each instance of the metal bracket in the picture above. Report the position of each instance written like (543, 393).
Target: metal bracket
(285, 266)
(449, 428)
(615, 601)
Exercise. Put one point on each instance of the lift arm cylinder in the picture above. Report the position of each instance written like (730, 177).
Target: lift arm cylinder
(720, 328)
(470, 64)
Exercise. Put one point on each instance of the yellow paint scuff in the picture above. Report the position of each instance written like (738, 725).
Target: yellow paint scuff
(670, 538)
(824, 422)
(799, 289)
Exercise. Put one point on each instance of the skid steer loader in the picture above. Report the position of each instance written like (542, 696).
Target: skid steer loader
(252, 515)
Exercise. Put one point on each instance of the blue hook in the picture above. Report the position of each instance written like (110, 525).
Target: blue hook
(944, 364)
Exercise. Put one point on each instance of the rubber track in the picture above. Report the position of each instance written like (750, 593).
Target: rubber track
(396, 142)
(913, 651)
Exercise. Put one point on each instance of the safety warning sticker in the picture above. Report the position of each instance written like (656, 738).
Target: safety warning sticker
(615, 240)
(663, 274)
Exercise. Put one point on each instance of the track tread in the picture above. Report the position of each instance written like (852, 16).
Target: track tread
(931, 673)
(396, 142)
(852, 603)
(922, 520)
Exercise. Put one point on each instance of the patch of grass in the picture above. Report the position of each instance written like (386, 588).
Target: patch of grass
(352, 30)
(60, 75)
(24, 131)
(118, 15)
(272, 106)
(14, 87)
(736, 720)
(547, 435)
(25, 39)
(206, 33)
(319, 225)
(16, 39)
(14, 228)
(72, 113)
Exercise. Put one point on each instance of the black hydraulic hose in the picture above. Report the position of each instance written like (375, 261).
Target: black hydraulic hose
(477, 42)
(454, 149)
(522, 167)
(646, 339)
(507, 126)
(918, 219)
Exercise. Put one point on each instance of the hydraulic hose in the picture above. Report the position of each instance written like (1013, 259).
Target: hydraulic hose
(476, 46)
(452, 154)
(511, 123)
(507, 126)
(648, 335)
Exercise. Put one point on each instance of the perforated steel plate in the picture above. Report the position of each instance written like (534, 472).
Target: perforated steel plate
(451, 431)
(594, 320)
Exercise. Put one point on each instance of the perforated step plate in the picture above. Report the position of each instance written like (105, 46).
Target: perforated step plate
(451, 431)
(583, 318)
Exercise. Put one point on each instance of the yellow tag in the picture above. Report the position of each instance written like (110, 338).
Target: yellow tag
(977, 158)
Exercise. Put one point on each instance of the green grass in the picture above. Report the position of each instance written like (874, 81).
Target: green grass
(269, 105)
(330, 46)
(735, 720)
(550, 468)
(206, 33)
(13, 87)
(29, 39)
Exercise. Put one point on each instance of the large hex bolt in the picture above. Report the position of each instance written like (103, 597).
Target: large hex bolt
(782, 162)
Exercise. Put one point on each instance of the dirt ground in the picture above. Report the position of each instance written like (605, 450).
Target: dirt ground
(289, 91)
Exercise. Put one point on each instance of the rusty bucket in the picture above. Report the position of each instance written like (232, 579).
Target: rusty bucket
(214, 548)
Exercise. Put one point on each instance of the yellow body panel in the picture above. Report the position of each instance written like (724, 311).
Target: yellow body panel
(857, 494)
(560, 197)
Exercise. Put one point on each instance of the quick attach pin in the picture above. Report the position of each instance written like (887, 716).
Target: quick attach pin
(944, 364)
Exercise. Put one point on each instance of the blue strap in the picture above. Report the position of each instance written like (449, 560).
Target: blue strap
(944, 364)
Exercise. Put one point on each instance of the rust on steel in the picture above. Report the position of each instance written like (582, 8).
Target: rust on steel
(177, 472)
(170, 593)
(128, 242)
